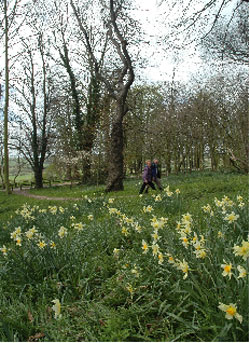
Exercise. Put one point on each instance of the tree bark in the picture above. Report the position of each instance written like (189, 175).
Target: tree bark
(116, 173)
(6, 106)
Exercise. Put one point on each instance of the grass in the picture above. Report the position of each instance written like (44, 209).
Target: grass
(124, 294)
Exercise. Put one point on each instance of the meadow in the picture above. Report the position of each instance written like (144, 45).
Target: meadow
(167, 266)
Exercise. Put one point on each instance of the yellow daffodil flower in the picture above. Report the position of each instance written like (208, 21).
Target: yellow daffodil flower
(231, 311)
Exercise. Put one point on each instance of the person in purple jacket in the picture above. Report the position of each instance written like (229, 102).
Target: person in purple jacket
(147, 177)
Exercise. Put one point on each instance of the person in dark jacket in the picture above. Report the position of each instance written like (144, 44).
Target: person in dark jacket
(147, 177)
(156, 173)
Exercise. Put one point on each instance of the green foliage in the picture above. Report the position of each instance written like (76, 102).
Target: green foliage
(88, 255)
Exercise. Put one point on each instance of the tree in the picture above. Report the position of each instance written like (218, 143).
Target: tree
(34, 96)
(230, 40)
(117, 84)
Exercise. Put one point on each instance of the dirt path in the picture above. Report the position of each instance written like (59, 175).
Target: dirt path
(41, 197)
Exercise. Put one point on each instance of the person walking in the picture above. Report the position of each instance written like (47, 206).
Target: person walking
(147, 177)
(156, 173)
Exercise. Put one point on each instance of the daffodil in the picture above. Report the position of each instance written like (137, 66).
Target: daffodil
(155, 249)
(125, 231)
(200, 253)
(242, 250)
(116, 252)
(52, 245)
(56, 308)
(231, 311)
(135, 271)
(227, 269)
(239, 198)
(144, 246)
(155, 236)
(178, 227)
(242, 271)
(138, 228)
(111, 200)
(62, 232)
(186, 218)
(232, 217)
(19, 241)
(90, 217)
(158, 198)
(41, 244)
(4, 250)
(183, 266)
(185, 241)
(130, 289)
(61, 209)
(171, 259)
(220, 234)
(160, 258)
(78, 226)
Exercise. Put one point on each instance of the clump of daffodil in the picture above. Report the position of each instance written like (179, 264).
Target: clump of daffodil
(240, 200)
(208, 209)
(17, 233)
(242, 250)
(57, 309)
(62, 232)
(31, 233)
(231, 311)
(227, 269)
(113, 210)
(232, 217)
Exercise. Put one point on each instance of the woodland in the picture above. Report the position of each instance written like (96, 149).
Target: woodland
(76, 92)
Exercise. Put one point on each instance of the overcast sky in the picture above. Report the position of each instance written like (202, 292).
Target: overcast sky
(164, 59)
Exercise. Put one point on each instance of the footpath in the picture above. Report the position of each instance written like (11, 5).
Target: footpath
(41, 197)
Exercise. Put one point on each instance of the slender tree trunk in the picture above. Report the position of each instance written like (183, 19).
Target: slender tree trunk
(6, 106)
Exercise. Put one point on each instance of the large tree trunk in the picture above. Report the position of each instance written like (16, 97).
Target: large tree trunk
(38, 173)
(116, 174)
